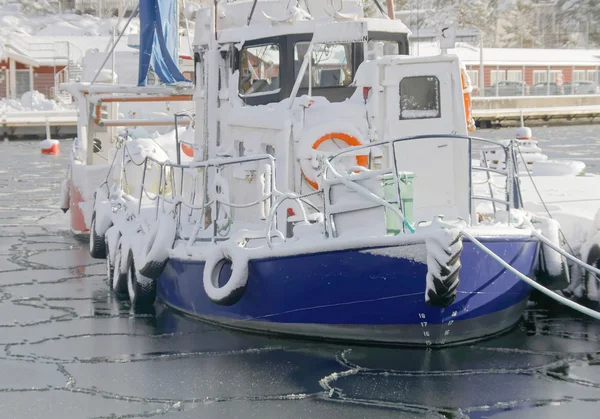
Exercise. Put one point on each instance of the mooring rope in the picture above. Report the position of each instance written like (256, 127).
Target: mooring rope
(557, 297)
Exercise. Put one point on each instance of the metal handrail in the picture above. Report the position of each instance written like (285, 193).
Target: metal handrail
(179, 201)
(508, 148)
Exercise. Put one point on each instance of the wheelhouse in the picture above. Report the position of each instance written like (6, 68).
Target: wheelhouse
(268, 60)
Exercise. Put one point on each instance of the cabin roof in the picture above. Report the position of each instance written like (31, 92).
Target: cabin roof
(273, 18)
(331, 29)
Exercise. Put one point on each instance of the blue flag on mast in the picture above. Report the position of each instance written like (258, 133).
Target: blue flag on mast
(158, 41)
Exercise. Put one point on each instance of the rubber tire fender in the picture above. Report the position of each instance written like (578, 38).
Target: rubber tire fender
(234, 289)
(142, 295)
(591, 283)
(110, 269)
(97, 242)
(156, 253)
(119, 284)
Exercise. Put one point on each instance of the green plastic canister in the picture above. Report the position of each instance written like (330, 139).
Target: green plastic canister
(405, 181)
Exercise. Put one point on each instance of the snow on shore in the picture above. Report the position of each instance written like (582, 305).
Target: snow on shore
(30, 101)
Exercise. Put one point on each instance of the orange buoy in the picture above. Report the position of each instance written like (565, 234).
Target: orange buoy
(50, 147)
(187, 150)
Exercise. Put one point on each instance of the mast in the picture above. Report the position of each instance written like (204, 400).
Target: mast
(390, 9)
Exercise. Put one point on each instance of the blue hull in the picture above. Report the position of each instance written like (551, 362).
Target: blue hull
(363, 295)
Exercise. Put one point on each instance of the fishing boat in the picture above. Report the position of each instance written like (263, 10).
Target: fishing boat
(328, 191)
(115, 102)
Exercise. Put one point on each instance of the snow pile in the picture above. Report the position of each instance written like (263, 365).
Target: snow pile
(48, 143)
(30, 101)
(42, 19)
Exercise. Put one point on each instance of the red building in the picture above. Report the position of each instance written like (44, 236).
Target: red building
(532, 66)
(43, 62)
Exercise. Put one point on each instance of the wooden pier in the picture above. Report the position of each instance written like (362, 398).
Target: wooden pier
(490, 111)
(486, 118)
(63, 124)
(27, 124)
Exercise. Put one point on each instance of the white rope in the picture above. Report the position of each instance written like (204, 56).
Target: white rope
(531, 282)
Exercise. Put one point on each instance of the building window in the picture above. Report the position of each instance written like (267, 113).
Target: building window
(259, 66)
(514, 75)
(420, 97)
(540, 76)
(474, 76)
(22, 81)
(498, 75)
(593, 75)
(331, 64)
(579, 75)
(556, 76)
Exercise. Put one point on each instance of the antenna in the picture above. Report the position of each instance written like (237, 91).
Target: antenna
(251, 12)
(522, 122)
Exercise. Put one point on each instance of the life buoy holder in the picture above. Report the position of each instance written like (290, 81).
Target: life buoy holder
(346, 138)
(466, 88)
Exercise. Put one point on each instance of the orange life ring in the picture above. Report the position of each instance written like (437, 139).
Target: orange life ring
(348, 139)
(187, 150)
(467, 100)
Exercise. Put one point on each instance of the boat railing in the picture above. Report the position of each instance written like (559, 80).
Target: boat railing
(187, 114)
(171, 188)
(508, 198)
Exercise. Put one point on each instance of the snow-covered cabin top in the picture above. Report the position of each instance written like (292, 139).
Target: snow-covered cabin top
(269, 51)
(274, 18)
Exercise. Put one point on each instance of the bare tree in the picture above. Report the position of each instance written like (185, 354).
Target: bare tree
(519, 28)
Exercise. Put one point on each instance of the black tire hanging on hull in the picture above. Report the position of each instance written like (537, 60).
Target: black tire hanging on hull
(142, 294)
(444, 281)
(119, 278)
(591, 283)
(97, 241)
(156, 253)
(110, 269)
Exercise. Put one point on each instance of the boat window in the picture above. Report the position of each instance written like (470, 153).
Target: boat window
(331, 64)
(259, 70)
(420, 97)
(384, 47)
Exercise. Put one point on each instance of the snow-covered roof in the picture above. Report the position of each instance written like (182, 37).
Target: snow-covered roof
(48, 23)
(470, 55)
(7, 52)
(55, 50)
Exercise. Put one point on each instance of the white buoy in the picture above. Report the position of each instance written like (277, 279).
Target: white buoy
(49, 146)
(523, 133)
